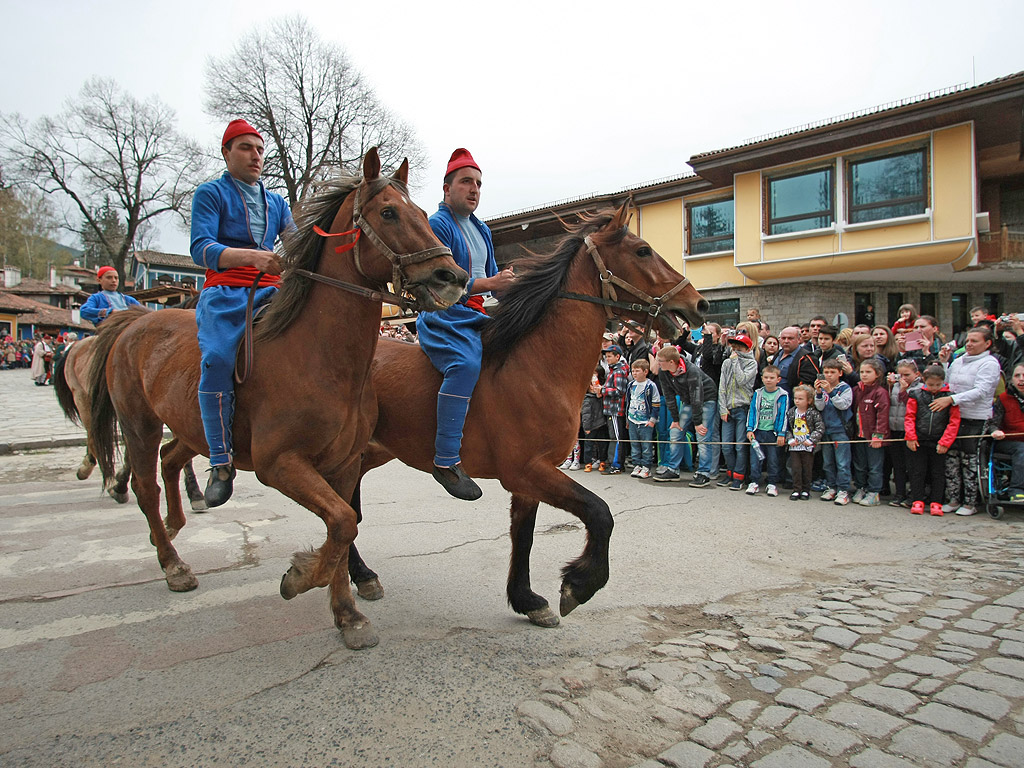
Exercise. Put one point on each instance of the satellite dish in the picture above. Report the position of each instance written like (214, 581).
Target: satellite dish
(841, 321)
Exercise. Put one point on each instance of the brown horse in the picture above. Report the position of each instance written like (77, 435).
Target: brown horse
(307, 410)
(540, 352)
(70, 385)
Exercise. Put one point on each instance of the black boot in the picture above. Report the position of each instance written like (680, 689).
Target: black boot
(219, 486)
(457, 483)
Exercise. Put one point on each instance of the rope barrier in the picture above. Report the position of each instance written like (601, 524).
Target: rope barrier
(747, 442)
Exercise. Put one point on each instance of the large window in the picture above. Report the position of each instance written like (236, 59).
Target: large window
(710, 226)
(887, 187)
(724, 312)
(801, 201)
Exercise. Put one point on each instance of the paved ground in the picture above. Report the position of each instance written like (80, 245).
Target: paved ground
(733, 632)
(30, 417)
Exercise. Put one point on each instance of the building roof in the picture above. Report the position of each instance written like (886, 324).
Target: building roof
(160, 259)
(32, 286)
(37, 313)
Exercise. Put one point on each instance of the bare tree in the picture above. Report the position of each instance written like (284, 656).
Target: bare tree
(312, 105)
(28, 224)
(107, 143)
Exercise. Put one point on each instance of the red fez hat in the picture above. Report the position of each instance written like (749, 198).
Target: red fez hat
(238, 127)
(461, 159)
(103, 270)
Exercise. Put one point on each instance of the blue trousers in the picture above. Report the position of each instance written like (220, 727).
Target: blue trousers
(672, 455)
(836, 460)
(735, 431)
(451, 339)
(705, 449)
(767, 440)
(640, 436)
(867, 467)
(220, 316)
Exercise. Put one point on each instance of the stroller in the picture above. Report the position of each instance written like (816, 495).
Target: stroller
(994, 469)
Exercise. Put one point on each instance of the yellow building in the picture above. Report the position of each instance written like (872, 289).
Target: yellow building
(920, 202)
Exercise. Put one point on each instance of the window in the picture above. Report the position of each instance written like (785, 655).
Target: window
(887, 187)
(895, 302)
(993, 303)
(801, 201)
(929, 304)
(961, 316)
(863, 311)
(724, 312)
(710, 226)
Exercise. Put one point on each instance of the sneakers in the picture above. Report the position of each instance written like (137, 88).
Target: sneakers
(870, 500)
(917, 508)
(818, 485)
(752, 489)
(829, 494)
(897, 501)
(636, 471)
(611, 470)
(667, 476)
(643, 474)
(966, 511)
(699, 481)
(935, 509)
(794, 496)
(842, 498)
(736, 484)
(724, 479)
(574, 466)
(804, 496)
(953, 506)
(565, 464)
(858, 496)
(588, 468)
(771, 490)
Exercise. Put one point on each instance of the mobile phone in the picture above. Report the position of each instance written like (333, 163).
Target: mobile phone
(820, 377)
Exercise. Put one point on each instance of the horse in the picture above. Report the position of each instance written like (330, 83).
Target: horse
(540, 351)
(69, 385)
(307, 410)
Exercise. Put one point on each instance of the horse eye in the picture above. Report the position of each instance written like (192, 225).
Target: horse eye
(389, 213)
(644, 251)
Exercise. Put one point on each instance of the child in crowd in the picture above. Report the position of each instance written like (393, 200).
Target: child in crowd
(614, 406)
(1007, 426)
(593, 422)
(929, 436)
(827, 344)
(766, 423)
(906, 379)
(734, 393)
(871, 403)
(806, 429)
(688, 395)
(642, 414)
(834, 398)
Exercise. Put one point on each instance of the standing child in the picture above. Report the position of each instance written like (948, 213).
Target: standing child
(593, 422)
(642, 414)
(871, 404)
(614, 406)
(906, 379)
(806, 429)
(734, 393)
(766, 423)
(930, 434)
(834, 398)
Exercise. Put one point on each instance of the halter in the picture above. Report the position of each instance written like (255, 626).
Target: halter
(609, 298)
(398, 261)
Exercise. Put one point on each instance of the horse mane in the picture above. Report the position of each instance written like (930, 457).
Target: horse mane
(301, 248)
(539, 280)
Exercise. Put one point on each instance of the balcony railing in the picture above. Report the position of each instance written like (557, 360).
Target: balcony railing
(1006, 245)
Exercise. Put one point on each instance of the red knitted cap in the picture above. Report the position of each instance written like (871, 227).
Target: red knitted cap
(103, 270)
(461, 159)
(237, 127)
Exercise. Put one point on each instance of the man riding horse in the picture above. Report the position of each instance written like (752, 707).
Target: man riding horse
(235, 223)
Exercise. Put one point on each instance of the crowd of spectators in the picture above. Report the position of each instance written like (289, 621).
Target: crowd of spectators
(853, 415)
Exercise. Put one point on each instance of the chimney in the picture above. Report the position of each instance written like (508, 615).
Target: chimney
(53, 277)
(12, 276)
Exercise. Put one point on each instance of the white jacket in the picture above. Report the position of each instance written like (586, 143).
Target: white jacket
(973, 380)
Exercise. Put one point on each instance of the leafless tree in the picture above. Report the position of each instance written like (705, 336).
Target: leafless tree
(313, 107)
(106, 143)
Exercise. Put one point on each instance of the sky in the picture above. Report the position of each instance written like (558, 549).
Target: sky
(555, 99)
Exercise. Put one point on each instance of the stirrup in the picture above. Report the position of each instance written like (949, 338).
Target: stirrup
(457, 483)
(219, 486)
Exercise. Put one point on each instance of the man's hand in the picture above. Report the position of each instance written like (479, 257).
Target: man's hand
(500, 282)
(263, 261)
(941, 403)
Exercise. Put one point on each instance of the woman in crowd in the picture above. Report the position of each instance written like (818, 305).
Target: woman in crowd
(885, 347)
(929, 327)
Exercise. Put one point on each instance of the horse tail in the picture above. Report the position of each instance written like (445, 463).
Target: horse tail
(104, 432)
(65, 397)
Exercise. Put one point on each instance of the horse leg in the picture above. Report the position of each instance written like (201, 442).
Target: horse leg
(87, 466)
(118, 489)
(173, 456)
(367, 582)
(296, 478)
(521, 596)
(582, 577)
(195, 493)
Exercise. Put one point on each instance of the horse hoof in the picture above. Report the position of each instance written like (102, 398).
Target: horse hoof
(198, 505)
(181, 579)
(370, 590)
(567, 604)
(543, 617)
(120, 498)
(359, 636)
(84, 472)
(292, 584)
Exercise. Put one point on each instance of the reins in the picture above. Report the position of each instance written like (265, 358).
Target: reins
(609, 299)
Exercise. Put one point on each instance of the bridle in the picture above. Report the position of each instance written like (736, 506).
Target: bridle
(399, 261)
(609, 299)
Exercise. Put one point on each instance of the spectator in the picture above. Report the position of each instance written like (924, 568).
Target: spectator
(789, 343)
(734, 393)
(871, 401)
(885, 347)
(680, 382)
(770, 348)
(902, 384)
(805, 432)
(834, 398)
(766, 423)
(929, 327)
(907, 315)
(1007, 426)
(643, 400)
(614, 407)
(593, 422)
(929, 435)
(42, 358)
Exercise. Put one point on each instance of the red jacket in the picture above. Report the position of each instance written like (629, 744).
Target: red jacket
(872, 408)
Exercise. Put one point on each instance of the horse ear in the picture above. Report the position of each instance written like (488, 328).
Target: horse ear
(622, 216)
(402, 174)
(371, 165)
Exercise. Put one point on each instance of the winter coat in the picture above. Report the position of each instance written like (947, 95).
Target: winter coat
(737, 384)
(898, 406)
(973, 380)
(591, 415)
(872, 409)
(815, 425)
(835, 407)
(927, 426)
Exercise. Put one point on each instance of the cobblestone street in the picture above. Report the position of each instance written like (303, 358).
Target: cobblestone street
(922, 669)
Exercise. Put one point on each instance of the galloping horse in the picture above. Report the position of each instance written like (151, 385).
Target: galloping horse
(540, 351)
(307, 410)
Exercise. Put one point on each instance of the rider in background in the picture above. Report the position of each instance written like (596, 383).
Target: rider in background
(451, 338)
(98, 306)
(235, 223)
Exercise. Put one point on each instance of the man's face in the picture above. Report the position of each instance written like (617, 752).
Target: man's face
(245, 158)
(109, 281)
(463, 194)
(816, 325)
(805, 334)
(789, 339)
(825, 342)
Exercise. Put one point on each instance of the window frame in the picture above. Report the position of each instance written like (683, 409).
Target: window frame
(690, 239)
(771, 221)
(849, 164)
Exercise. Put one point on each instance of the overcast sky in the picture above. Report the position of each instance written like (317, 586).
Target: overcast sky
(555, 99)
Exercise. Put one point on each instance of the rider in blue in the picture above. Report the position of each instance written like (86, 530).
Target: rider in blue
(451, 338)
(108, 299)
(235, 223)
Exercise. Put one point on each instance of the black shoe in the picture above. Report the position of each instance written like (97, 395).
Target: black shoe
(219, 486)
(700, 481)
(457, 483)
(668, 476)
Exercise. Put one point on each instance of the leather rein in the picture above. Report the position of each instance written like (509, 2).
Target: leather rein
(609, 299)
(360, 226)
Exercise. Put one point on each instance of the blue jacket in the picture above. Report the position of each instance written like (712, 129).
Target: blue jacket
(91, 309)
(447, 230)
(220, 220)
(781, 407)
(835, 408)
